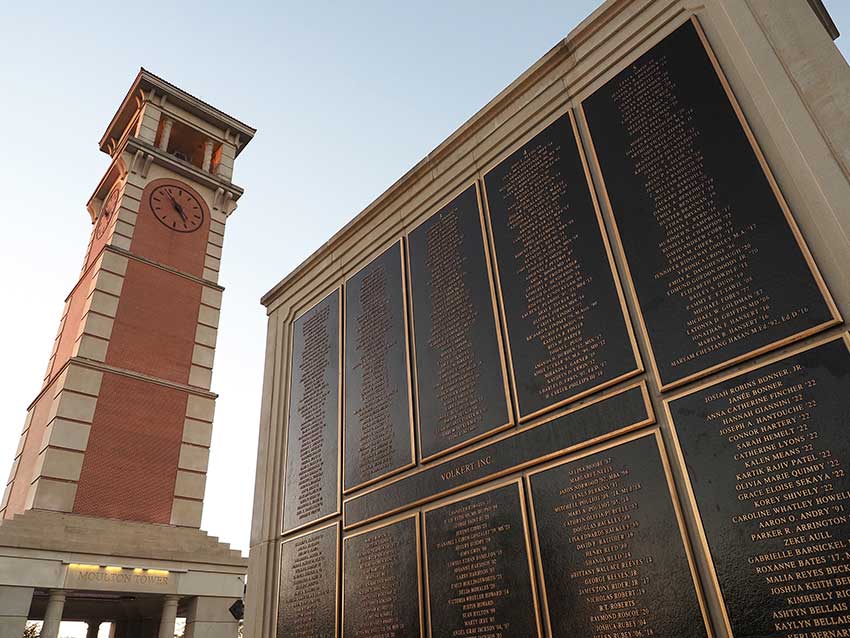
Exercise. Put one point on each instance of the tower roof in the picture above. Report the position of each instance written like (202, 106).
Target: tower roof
(146, 81)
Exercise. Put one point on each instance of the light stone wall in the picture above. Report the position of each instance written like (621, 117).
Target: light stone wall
(793, 87)
(52, 484)
(128, 211)
(193, 461)
(51, 360)
(14, 607)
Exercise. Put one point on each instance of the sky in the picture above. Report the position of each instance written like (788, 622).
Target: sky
(346, 97)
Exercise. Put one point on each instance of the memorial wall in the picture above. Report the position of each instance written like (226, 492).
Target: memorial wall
(600, 390)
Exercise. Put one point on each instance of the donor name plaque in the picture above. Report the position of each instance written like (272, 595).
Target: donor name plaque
(611, 547)
(719, 268)
(767, 453)
(459, 370)
(311, 490)
(567, 327)
(309, 573)
(381, 582)
(378, 422)
(479, 572)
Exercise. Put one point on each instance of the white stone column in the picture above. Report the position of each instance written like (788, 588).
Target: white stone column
(169, 616)
(93, 628)
(167, 123)
(53, 614)
(208, 149)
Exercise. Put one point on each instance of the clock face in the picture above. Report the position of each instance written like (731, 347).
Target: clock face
(177, 208)
(106, 211)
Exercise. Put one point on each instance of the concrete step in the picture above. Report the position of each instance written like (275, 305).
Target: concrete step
(71, 533)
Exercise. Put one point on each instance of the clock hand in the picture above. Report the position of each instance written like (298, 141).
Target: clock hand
(177, 207)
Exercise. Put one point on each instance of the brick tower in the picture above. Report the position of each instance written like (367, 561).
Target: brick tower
(117, 441)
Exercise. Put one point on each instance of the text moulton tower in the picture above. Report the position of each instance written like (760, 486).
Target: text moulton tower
(122, 426)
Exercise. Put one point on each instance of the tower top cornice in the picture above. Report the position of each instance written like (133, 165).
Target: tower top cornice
(148, 87)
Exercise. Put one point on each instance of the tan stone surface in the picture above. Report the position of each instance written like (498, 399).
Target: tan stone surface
(111, 262)
(206, 336)
(108, 282)
(67, 434)
(190, 484)
(15, 601)
(186, 513)
(91, 347)
(61, 464)
(14, 609)
(72, 534)
(129, 215)
(83, 380)
(98, 325)
(197, 432)
(49, 494)
(203, 356)
(216, 239)
(212, 263)
(208, 316)
(193, 457)
(103, 303)
(200, 377)
(120, 241)
(211, 297)
(200, 408)
(72, 405)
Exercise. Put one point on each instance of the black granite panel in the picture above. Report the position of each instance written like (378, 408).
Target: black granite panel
(567, 330)
(611, 547)
(479, 580)
(307, 605)
(381, 582)
(461, 388)
(311, 490)
(767, 452)
(716, 267)
(377, 427)
(531, 445)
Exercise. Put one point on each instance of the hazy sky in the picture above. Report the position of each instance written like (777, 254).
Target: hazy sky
(346, 97)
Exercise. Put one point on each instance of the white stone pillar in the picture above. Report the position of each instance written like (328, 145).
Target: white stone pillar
(167, 123)
(169, 616)
(208, 149)
(93, 628)
(14, 609)
(209, 617)
(53, 614)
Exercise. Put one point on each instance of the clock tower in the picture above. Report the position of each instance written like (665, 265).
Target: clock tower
(113, 455)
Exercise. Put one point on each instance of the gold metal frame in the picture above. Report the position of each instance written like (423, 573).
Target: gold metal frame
(412, 463)
(639, 367)
(680, 457)
(286, 532)
(487, 265)
(417, 531)
(337, 577)
(575, 407)
(671, 488)
(795, 231)
(528, 548)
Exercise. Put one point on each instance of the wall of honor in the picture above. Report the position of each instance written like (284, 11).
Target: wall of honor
(599, 388)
